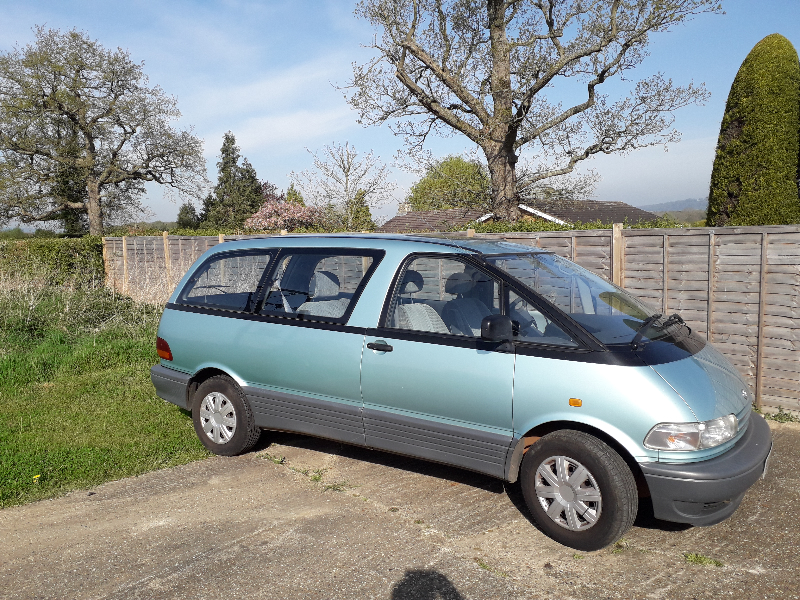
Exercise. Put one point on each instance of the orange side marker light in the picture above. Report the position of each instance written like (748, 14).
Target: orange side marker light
(575, 402)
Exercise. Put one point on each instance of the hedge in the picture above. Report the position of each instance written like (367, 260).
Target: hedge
(754, 179)
(60, 259)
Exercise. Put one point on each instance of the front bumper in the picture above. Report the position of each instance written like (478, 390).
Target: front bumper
(707, 492)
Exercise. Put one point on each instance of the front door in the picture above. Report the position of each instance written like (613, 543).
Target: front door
(431, 387)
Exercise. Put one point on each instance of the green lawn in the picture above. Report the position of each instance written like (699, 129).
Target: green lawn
(76, 404)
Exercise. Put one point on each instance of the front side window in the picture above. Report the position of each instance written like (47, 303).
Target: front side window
(319, 286)
(530, 325)
(608, 312)
(443, 295)
(227, 280)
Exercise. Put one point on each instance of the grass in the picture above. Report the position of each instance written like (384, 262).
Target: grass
(77, 407)
(698, 559)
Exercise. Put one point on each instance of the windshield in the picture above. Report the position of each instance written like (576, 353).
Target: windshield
(609, 313)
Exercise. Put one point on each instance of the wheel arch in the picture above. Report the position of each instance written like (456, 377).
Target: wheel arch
(197, 380)
(521, 446)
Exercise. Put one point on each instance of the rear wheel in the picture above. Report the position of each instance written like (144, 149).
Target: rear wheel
(579, 490)
(222, 417)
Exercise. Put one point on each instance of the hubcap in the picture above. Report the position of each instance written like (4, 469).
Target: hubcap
(568, 493)
(218, 417)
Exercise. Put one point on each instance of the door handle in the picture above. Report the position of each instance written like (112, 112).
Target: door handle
(380, 346)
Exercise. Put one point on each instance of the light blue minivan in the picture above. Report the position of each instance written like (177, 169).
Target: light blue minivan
(484, 355)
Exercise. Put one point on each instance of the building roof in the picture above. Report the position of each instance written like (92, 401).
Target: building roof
(584, 211)
(558, 211)
(430, 220)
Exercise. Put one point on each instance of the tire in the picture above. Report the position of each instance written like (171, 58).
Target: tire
(222, 417)
(597, 496)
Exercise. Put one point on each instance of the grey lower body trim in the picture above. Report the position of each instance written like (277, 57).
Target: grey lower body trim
(707, 492)
(322, 418)
(472, 449)
(171, 385)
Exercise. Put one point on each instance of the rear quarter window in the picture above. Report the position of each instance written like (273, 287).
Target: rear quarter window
(229, 281)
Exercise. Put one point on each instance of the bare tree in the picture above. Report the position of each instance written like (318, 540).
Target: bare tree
(342, 183)
(484, 69)
(68, 103)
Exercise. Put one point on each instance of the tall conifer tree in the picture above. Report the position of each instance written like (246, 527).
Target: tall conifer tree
(237, 194)
(754, 180)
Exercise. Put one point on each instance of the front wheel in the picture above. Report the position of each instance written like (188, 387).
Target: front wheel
(222, 417)
(579, 490)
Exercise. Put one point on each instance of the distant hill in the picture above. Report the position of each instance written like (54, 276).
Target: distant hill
(688, 204)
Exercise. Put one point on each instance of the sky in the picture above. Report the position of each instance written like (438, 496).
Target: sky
(268, 72)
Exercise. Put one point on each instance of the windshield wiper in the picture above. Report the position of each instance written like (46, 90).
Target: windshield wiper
(674, 319)
(642, 328)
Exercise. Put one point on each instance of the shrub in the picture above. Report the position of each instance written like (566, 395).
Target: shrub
(276, 215)
(754, 179)
(63, 259)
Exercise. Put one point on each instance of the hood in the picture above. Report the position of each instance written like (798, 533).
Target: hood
(708, 383)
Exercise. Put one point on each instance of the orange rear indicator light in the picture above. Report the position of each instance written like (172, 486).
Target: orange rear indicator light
(162, 347)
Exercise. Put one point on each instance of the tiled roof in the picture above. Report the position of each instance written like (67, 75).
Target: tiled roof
(570, 211)
(592, 210)
(430, 220)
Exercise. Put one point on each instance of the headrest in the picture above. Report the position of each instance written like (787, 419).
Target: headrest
(412, 282)
(323, 284)
(458, 283)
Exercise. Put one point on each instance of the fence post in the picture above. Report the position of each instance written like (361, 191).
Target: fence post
(221, 237)
(167, 258)
(124, 264)
(616, 254)
(665, 276)
(712, 267)
(761, 304)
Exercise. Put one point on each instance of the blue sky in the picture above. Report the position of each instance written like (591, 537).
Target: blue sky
(266, 71)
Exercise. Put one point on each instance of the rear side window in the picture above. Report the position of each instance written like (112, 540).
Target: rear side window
(229, 281)
(318, 286)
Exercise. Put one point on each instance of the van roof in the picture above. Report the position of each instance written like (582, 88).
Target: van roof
(472, 245)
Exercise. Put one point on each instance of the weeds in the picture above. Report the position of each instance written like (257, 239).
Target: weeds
(278, 460)
(337, 486)
(489, 568)
(698, 559)
(619, 546)
(780, 416)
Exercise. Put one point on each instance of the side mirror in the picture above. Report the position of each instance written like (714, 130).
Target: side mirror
(496, 328)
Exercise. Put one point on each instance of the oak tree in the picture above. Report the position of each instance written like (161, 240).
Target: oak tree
(67, 104)
(504, 74)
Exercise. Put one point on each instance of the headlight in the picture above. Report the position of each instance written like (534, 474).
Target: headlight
(692, 436)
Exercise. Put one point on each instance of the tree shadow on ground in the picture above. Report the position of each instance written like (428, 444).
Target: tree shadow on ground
(424, 584)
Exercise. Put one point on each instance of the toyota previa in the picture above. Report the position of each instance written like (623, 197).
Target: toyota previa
(484, 355)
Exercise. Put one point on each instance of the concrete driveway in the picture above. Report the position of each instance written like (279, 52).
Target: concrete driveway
(306, 518)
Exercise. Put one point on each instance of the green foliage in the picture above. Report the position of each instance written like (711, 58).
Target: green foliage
(62, 259)
(754, 180)
(359, 216)
(238, 192)
(698, 559)
(452, 182)
(292, 195)
(187, 217)
(77, 407)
